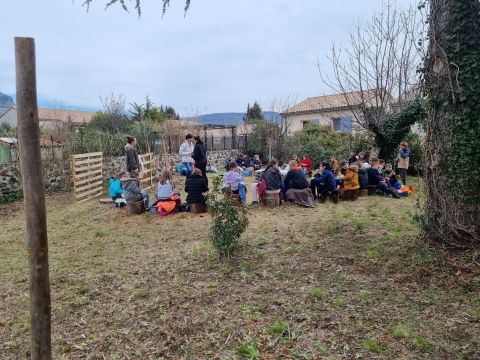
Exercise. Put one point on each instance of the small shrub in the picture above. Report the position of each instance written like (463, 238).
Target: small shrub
(11, 196)
(229, 222)
(279, 327)
(247, 350)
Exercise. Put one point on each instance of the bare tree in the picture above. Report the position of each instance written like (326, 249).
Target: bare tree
(377, 70)
(137, 5)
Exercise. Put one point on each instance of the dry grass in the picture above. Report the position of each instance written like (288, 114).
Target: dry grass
(336, 282)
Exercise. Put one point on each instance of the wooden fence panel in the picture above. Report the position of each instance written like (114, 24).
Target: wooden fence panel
(87, 176)
(148, 170)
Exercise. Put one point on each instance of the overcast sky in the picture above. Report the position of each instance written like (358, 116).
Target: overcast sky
(221, 56)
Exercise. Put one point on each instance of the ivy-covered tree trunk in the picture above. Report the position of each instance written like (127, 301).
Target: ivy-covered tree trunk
(452, 85)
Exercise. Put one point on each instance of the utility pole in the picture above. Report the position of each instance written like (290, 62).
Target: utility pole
(33, 190)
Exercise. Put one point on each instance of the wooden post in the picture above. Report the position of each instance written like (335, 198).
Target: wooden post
(33, 190)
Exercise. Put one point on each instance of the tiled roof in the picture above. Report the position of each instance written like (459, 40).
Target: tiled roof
(333, 102)
(76, 116)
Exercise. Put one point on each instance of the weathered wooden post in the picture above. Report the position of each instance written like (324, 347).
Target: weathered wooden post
(33, 189)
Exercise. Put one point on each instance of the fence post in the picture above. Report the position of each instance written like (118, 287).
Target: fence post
(205, 136)
(33, 189)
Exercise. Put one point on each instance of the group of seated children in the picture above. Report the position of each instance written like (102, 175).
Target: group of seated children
(124, 189)
(331, 180)
(244, 163)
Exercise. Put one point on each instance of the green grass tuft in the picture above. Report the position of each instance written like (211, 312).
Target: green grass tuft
(317, 294)
(421, 342)
(373, 254)
(279, 327)
(339, 303)
(401, 331)
(247, 350)
(360, 224)
(99, 233)
(372, 345)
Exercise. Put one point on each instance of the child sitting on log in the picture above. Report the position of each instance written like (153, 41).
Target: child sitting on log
(132, 189)
(115, 190)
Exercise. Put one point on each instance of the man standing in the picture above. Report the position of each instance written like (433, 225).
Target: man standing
(186, 150)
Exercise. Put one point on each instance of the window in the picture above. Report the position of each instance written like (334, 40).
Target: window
(305, 123)
(316, 122)
(342, 124)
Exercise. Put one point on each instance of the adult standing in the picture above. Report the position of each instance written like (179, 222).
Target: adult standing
(186, 150)
(131, 157)
(200, 155)
(403, 159)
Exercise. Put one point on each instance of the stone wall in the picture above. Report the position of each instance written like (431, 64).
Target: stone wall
(58, 172)
(115, 165)
(56, 176)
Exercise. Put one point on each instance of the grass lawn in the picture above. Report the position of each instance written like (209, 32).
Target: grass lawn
(346, 281)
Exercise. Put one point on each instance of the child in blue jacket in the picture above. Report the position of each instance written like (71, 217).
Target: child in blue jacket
(115, 190)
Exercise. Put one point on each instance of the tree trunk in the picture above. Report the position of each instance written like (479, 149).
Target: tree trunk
(452, 70)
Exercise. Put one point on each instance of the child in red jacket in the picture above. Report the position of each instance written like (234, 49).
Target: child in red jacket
(307, 164)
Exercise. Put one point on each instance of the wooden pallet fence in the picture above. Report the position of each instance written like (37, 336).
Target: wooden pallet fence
(148, 170)
(87, 175)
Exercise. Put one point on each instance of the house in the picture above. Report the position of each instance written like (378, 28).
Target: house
(8, 116)
(49, 117)
(337, 111)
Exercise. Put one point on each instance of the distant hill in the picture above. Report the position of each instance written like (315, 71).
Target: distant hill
(233, 118)
(5, 100)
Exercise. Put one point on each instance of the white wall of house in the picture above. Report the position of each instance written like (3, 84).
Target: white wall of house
(10, 117)
(325, 118)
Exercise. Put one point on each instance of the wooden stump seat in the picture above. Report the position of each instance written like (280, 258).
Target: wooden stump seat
(372, 189)
(272, 198)
(137, 207)
(236, 197)
(333, 197)
(350, 195)
(363, 192)
(198, 208)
